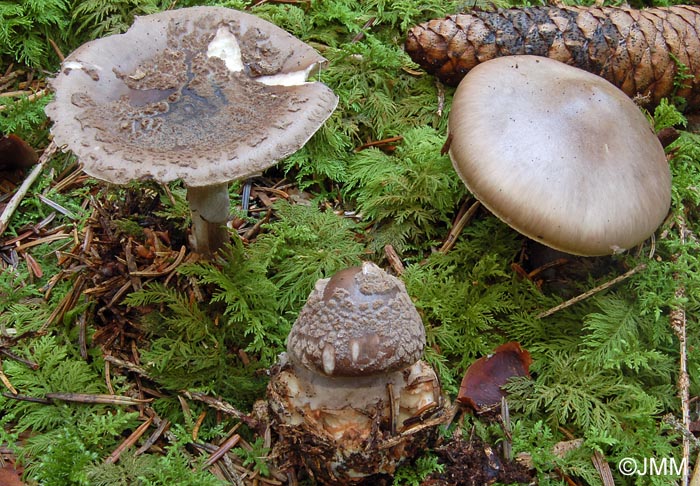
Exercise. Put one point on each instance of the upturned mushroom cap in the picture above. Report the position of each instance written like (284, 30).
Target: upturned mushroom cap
(359, 322)
(203, 94)
(559, 154)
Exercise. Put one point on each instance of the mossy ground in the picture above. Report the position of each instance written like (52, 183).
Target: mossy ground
(100, 295)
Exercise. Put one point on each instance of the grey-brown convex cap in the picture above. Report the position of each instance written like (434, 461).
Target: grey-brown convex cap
(359, 322)
(559, 154)
(203, 94)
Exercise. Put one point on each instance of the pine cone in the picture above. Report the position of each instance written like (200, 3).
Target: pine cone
(633, 49)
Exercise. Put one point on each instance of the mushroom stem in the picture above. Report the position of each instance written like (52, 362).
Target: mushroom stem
(209, 206)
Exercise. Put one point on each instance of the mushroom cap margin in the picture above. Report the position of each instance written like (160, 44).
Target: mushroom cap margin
(231, 135)
(559, 154)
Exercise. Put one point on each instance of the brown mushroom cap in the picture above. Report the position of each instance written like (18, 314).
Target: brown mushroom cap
(359, 322)
(559, 154)
(197, 94)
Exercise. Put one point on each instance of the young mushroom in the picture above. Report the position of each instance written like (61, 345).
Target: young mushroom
(351, 397)
(207, 95)
(559, 154)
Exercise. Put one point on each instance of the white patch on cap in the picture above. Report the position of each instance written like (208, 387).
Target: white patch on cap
(295, 78)
(328, 359)
(354, 350)
(72, 65)
(225, 46)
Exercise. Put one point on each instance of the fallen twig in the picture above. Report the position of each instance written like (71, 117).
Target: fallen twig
(134, 368)
(461, 221)
(160, 430)
(128, 442)
(394, 259)
(6, 381)
(222, 406)
(591, 292)
(32, 97)
(677, 320)
(223, 449)
(165, 271)
(97, 398)
(24, 188)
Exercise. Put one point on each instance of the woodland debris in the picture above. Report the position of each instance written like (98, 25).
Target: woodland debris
(96, 398)
(15, 153)
(463, 217)
(128, 442)
(481, 386)
(646, 53)
(473, 462)
(591, 292)
(677, 318)
(24, 188)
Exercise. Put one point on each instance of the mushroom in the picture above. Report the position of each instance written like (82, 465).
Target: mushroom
(559, 154)
(351, 396)
(207, 95)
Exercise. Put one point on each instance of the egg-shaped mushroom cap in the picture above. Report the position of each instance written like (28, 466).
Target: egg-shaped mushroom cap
(559, 154)
(360, 322)
(203, 94)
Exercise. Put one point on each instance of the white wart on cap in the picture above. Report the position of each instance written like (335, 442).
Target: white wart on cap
(207, 95)
(559, 154)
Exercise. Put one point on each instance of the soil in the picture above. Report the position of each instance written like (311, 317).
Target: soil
(474, 463)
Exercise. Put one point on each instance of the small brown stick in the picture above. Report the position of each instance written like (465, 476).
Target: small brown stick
(166, 270)
(134, 368)
(198, 425)
(32, 97)
(440, 98)
(29, 363)
(12, 94)
(41, 241)
(6, 381)
(358, 37)
(97, 398)
(377, 143)
(507, 443)
(66, 304)
(394, 260)
(6, 80)
(462, 219)
(131, 265)
(695, 480)
(593, 291)
(82, 335)
(603, 468)
(128, 442)
(26, 398)
(220, 405)
(24, 188)
(108, 377)
(223, 449)
(677, 320)
(55, 48)
(162, 427)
